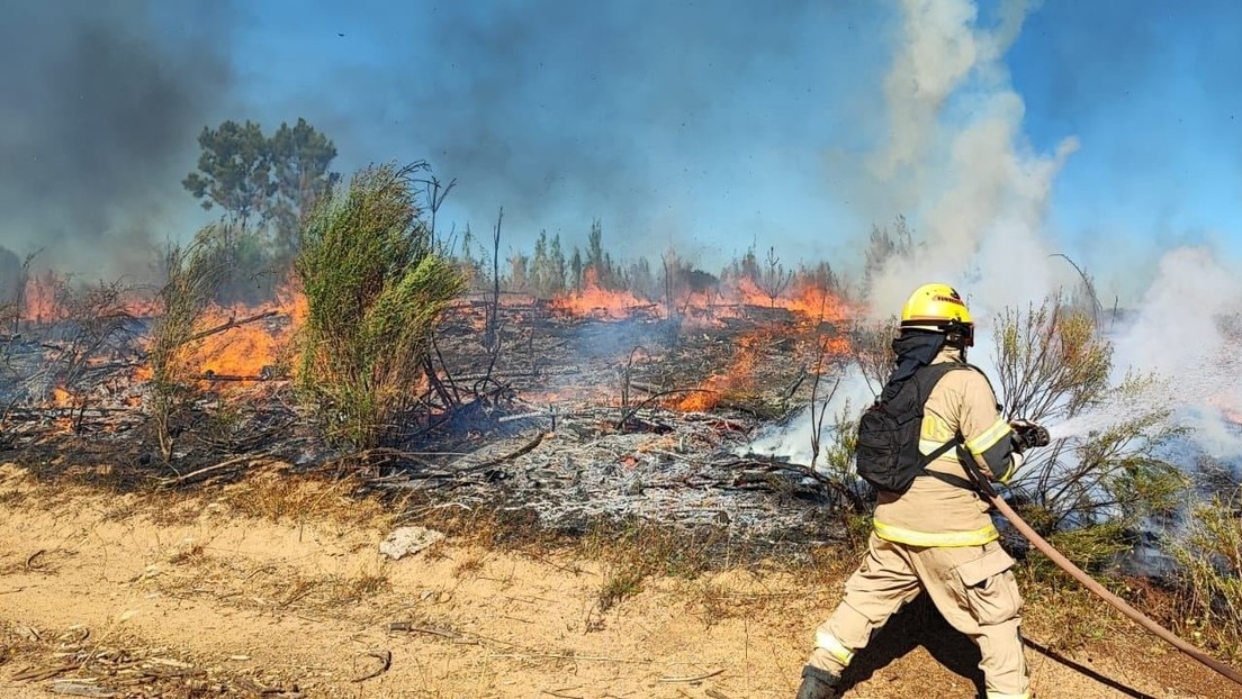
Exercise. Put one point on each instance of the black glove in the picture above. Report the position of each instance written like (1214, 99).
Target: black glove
(1027, 434)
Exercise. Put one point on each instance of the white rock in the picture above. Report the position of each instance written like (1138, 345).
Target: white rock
(407, 541)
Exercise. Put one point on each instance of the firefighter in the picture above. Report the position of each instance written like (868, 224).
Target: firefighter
(938, 536)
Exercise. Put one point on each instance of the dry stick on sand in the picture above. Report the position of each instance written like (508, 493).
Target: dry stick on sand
(694, 678)
(202, 472)
(385, 658)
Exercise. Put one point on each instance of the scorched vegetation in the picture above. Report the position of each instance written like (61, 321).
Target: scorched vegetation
(324, 325)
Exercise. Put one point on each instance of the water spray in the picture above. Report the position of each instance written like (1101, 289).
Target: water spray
(1035, 435)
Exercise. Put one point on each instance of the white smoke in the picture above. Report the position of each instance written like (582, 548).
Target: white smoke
(977, 190)
(1180, 335)
(791, 439)
(978, 193)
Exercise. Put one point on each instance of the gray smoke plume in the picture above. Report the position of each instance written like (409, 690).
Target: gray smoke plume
(561, 108)
(976, 191)
(10, 276)
(102, 104)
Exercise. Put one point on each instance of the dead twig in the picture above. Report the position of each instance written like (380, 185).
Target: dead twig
(210, 470)
(409, 627)
(30, 561)
(525, 449)
(229, 325)
(37, 675)
(854, 498)
(630, 413)
(81, 689)
(385, 658)
(695, 678)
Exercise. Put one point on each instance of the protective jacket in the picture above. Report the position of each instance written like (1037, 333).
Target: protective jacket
(935, 512)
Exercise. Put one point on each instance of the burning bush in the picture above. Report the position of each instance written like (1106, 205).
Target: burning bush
(375, 286)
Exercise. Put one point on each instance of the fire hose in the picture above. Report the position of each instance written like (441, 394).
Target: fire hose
(1038, 436)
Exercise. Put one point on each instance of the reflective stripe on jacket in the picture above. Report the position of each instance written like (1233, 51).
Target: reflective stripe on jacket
(933, 512)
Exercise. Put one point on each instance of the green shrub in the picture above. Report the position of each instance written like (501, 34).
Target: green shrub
(1209, 558)
(375, 286)
(1053, 365)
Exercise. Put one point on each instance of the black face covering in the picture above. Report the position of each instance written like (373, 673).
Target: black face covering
(914, 348)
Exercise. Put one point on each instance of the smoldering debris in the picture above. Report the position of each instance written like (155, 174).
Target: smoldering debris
(564, 422)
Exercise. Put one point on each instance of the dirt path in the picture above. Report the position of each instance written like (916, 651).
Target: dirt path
(214, 603)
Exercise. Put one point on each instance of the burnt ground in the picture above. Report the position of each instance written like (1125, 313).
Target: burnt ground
(570, 419)
(217, 575)
(273, 586)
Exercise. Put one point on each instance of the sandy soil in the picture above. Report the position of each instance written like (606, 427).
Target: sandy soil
(214, 603)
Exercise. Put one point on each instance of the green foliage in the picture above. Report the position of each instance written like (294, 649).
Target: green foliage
(10, 276)
(1052, 365)
(1210, 562)
(883, 245)
(871, 343)
(598, 265)
(250, 273)
(265, 185)
(375, 286)
(546, 270)
(234, 170)
(852, 497)
(301, 158)
(839, 454)
(1051, 361)
(576, 268)
(12, 282)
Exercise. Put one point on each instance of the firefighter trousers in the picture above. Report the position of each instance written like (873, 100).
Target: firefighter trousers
(972, 587)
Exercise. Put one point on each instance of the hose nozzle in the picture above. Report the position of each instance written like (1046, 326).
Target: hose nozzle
(1029, 434)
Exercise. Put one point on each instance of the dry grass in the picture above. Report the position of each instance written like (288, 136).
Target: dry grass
(620, 581)
(1063, 615)
(196, 571)
(98, 659)
(471, 564)
(715, 579)
(275, 494)
(722, 598)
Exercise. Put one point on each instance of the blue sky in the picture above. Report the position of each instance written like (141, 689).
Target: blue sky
(1152, 93)
(708, 125)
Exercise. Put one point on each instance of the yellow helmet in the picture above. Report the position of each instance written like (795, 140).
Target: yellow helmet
(938, 307)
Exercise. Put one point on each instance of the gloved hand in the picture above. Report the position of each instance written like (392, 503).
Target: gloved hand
(1027, 434)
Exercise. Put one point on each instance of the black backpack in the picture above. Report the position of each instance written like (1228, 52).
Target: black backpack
(887, 454)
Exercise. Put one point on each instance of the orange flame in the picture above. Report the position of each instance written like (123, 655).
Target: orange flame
(41, 304)
(247, 349)
(804, 296)
(44, 300)
(62, 398)
(595, 301)
(739, 377)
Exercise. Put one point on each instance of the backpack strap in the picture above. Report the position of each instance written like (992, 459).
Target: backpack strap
(937, 372)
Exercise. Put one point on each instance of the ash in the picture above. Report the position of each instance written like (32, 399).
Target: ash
(690, 476)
